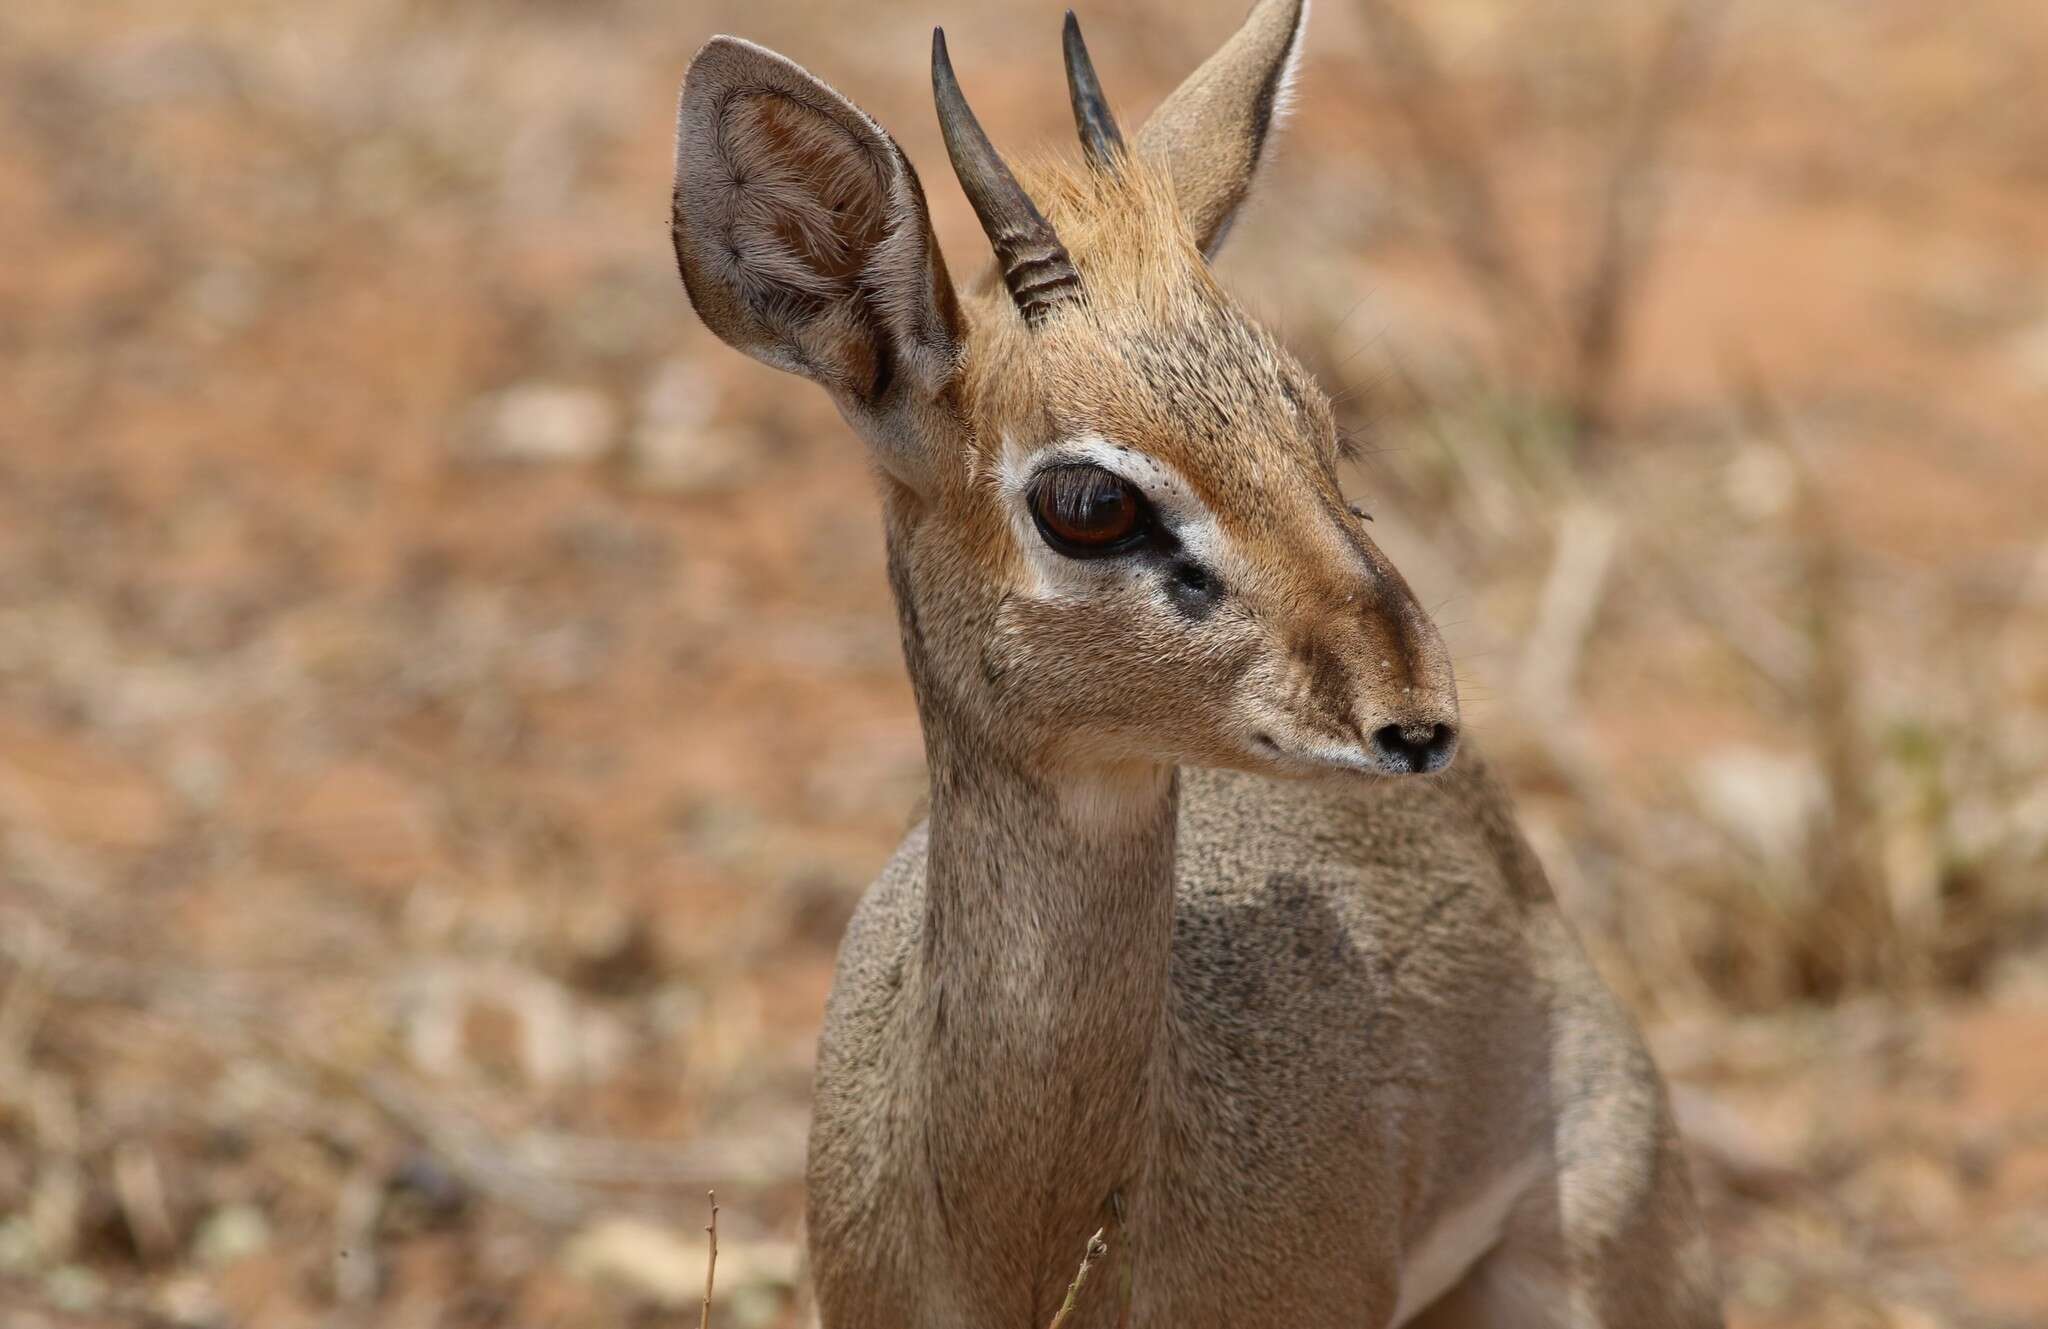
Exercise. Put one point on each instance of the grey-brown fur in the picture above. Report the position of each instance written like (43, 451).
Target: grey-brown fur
(1161, 943)
(1371, 1005)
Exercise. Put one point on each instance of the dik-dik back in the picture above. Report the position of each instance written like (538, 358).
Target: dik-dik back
(1208, 942)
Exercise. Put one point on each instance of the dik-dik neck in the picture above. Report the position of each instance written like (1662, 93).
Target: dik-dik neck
(1048, 919)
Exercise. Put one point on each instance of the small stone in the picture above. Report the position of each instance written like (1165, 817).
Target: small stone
(641, 1259)
(231, 1233)
(508, 1022)
(675, 448)
(1761, 482)
(18, 1250)
(201, 774)
(546, 422)
(75, 1288)
(1901, 1315)
(663, 1266)
(1767, 800)
(669, 460)
(188, 1301)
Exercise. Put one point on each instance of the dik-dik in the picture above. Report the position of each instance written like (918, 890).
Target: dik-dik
(1207, 937)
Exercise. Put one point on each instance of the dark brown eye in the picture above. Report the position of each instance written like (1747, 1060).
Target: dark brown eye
(1084, 511)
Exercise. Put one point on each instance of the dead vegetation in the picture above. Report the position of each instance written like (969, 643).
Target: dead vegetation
(1568, 336)
(447, 706)
(1823, 919)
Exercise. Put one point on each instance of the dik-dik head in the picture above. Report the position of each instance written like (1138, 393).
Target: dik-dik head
(1116, 528)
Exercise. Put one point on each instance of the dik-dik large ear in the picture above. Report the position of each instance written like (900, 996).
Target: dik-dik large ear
(1212, 132)
(803, 240)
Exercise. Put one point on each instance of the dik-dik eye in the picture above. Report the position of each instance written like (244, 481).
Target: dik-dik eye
(1087, 512)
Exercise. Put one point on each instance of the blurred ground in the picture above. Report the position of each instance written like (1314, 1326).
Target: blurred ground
(449, 704)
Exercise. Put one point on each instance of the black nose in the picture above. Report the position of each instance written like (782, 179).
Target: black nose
(1405, 749)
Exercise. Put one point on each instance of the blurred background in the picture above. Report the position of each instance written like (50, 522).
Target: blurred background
(449, 704)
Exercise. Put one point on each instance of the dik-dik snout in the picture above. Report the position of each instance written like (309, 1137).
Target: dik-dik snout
(1374, 689)
(1351, 673)
(1369, 688)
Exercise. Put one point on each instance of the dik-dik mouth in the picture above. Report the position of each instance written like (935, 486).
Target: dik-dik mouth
(1422, 748)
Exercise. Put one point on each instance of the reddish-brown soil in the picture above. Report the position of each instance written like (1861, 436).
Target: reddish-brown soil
(449, 703)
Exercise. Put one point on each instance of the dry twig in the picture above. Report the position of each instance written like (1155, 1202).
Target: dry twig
(139, 1190)
(1460, 188)
(1587, 538)
(710, 1261)
(1455, 172)
(1852, 941)
(1097, 1248)
(1632, 207)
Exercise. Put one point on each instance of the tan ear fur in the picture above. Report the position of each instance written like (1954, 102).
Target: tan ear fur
(1213, 131)
(802, 236)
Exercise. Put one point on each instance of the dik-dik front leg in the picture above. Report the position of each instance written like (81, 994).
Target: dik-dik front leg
(1570, 1261)
(1608, 1235)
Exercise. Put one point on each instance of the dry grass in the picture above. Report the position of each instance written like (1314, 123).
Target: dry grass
(448, 704)
(1810, 908)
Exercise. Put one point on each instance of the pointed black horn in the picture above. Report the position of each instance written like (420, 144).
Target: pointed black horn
(1100, 137)
(1036, 267)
